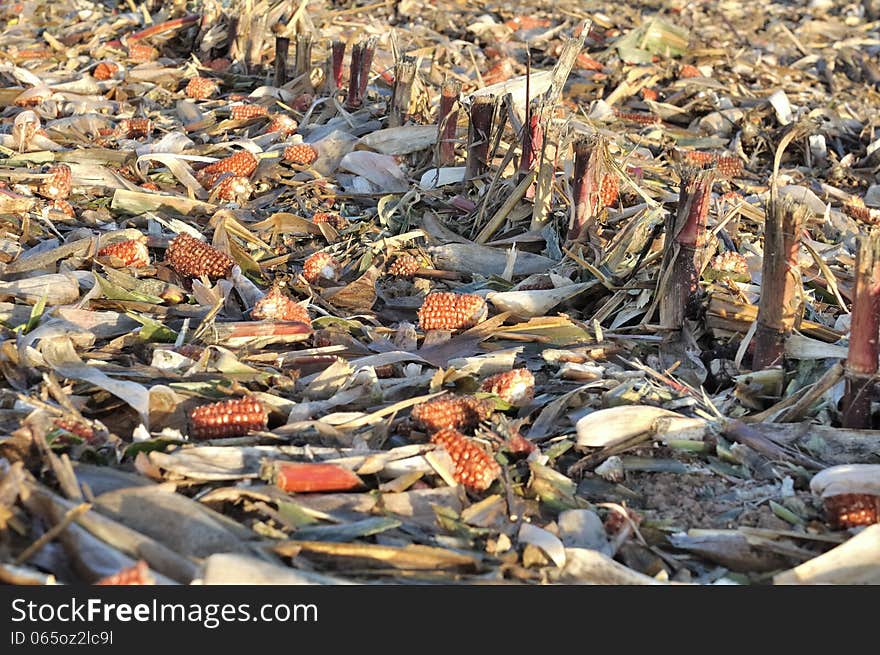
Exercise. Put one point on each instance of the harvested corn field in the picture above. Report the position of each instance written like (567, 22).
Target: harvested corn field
(462, 292)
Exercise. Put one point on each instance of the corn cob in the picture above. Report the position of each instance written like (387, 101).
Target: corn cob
(141, 52)
(404, 266)
(729, 262)
(688, 71)
(150, 186)
(321, 266)
(301, 153)
(640, 118)
(335, 220)
(302, 477)
(282, 123)
(229, 418)
(193, 258)
(58, 186)
(105, 70)
(474, 467)
(64, 207)
(726, 165)
(232, 188)
(275, 306)
(855, 208)
(609, 188)
(246, 112)
(138, 574)
(852, 510)
(457, 412)
(132, 253)
(242, 163)
(515, 387)
(201, 88)
(302, 102)
(451, 311)
(135, 128)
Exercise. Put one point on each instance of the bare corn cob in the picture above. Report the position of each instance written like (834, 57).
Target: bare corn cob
(474, 467)
(515, 387)
(459, 412)
(451, 311)
(321, 266)
(229, 418)
(282, 123)
(337, 221)
(132, 253)
(135, 128)
(275, 306)
(193, 258)
(105, 70)
(59, 185)
(232, 188)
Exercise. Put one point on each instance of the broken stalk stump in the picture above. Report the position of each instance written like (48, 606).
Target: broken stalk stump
(447, 122)
(546, 169)
(359, 72)
(685, 241)
(861, 361)
(337, 56)
(585, 185)
(780, 277)
(303, 58)
(404, 77)
(482, 115)
(282, 46)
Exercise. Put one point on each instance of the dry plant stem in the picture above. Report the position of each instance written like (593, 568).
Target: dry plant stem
(779, 282)
(337, 55)
(303, 59)
(404, 77)
(482, 115)
(861, 362)
(69, 517)
(533, 142)
(583, 187)
(359, 72)
(282, 45)
(685, 239)
(546, 172)
(447, 121)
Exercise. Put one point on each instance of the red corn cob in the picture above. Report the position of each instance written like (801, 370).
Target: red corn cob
(135, 128)
(229, 418)
(727, 166)
(458, 412)
(232, 188)
(80, 429)
(855, 208)
(649, 94)
(609, 188)
(526, 23)
(501, 71)
(515, 387)
(852, 510)
(242, 163)
(302, 154)
(474, 467)
(64, 207)
(58, 186)
(105, 70)
(201, 88)
(585, 62)
(141, 52)
(404, 266)
(302, 477)
(246, 112)
(150, 186)
(321, 266)
(275, 306)
(335, 220)
(282, 123)
(30, 98)
(451, 311)
(132, 253)
(138, 574)
(193, 258)
(637, 117)
(688, 71)
(302, 102)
